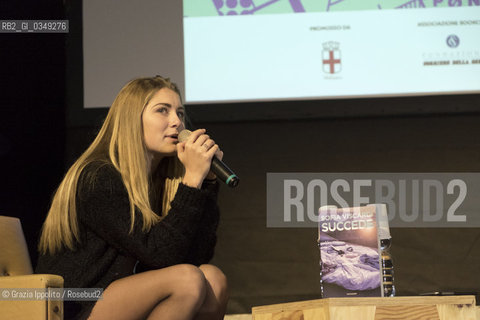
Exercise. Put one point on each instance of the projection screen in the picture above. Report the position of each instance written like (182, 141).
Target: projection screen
(268, 50)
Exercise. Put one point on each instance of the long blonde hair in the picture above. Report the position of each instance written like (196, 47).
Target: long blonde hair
(121, 143)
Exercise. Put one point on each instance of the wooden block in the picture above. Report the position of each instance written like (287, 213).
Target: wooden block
(410, 312)
(405, 308)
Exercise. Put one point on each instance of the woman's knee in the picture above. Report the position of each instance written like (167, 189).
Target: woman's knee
(217, 280)
(189, 280)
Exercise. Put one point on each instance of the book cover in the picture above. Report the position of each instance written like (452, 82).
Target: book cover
(349, 252)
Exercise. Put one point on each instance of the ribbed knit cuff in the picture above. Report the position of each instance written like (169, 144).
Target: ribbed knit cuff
(211, 189)
(190, 197)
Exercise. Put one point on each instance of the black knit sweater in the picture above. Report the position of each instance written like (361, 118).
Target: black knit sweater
(107, 251)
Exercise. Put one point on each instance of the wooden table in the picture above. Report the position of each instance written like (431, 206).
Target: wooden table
(405, 308)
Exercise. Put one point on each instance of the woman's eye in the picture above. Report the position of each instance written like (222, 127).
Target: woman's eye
(162, 110)
(181, 114)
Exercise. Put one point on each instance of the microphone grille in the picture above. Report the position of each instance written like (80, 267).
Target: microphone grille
(183, 135)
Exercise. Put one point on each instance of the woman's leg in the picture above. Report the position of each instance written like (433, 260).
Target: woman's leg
(216, 297)
(176, 292)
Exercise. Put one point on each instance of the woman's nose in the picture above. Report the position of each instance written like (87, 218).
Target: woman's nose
(175, 120)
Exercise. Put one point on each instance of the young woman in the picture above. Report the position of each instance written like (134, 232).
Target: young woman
(136, 215)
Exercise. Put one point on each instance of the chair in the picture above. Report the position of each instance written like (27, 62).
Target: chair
(16, 272)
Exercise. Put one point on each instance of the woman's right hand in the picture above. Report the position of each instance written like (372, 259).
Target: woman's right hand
(196, 155)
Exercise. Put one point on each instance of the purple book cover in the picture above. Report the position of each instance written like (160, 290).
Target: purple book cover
(349, 252)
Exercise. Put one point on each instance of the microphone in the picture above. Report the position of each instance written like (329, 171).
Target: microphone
(221, 170)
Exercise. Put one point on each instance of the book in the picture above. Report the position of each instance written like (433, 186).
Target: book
(349, 252)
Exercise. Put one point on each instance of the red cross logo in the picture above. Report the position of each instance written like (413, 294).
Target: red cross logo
(331, 61)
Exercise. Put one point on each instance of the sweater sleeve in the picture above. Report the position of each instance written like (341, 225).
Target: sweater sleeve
(103, 206)
(202, 249)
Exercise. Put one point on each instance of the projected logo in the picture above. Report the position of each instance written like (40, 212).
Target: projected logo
(331, 58)
(233, 7)
(241, 7)
(453, 41)
(413, 4)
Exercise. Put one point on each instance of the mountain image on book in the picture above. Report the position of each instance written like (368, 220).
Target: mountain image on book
(349, 252)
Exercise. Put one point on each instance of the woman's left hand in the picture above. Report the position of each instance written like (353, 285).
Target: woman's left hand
(196, 154)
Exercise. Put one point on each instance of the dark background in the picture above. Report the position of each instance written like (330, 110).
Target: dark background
(44, 128)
